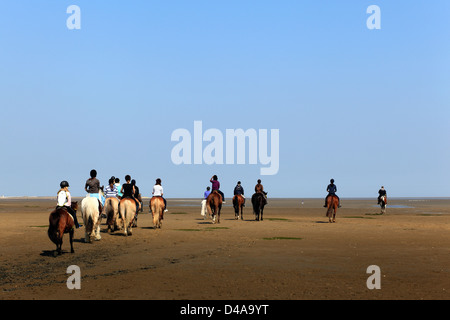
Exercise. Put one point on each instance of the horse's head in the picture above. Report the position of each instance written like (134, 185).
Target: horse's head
(74, 205)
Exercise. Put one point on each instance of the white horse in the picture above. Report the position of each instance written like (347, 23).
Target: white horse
(91, 216)
(128, 212)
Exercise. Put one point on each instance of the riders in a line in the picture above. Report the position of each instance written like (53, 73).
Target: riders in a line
(259, 188)
(381, 192)
(92, 187)
(128, 191)
(216, 186)
(64, 200)
(331, 189)
(239, 190)
(159, 192)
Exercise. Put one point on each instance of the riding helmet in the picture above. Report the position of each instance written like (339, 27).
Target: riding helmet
(64, 184)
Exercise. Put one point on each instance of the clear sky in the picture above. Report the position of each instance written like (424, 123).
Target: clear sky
(365, 107)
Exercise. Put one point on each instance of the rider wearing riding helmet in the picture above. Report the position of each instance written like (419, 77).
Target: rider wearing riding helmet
(239, 190)
(331, 189)
(64, 200)
(381, 192)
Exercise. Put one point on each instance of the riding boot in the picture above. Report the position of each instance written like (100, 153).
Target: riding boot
(74, 216)
(325, 205)
(75, 220)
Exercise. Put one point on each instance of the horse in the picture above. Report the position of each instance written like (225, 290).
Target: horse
(128, 211)
(383, 202)
(332, 205)
(61, 222)
(214, 206)
(157, 207)
(91, 211)
(238, 204)
(111, 210)
(258, 202)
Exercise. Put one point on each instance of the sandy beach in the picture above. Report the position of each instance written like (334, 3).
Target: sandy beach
(294, 254)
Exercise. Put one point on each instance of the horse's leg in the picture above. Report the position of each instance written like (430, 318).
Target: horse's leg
(242, 212)
(218, 216)
(71, 232)
(97, 233)
(262, 211)
(130, 227)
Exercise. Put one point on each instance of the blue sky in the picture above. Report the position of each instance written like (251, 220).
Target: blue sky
(365, 107)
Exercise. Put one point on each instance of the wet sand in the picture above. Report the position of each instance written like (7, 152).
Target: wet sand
(294, 254)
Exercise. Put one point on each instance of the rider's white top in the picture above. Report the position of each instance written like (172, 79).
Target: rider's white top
(64, 198)
(157, 190)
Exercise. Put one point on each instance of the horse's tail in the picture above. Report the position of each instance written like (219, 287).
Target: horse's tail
(53, 230)
(331, 205)
(89, 225)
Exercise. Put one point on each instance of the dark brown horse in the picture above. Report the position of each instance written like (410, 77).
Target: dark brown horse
(214, 205)
(238, 204)
(258, 202)
(332, 205)
(61, 222)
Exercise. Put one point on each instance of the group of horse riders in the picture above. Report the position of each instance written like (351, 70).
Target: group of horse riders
(238, 189)
(130, 190)
(114, 189)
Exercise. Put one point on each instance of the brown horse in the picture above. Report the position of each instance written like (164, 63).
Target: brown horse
(332, 205)
(238, 204)
(61, 222)
(157, 207)
(383, 202)
(111, 210)
(214, 205)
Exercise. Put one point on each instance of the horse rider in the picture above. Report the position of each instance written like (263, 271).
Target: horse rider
(259, 188)
(129, 191)
(93, 188)
(159, 192)
(239, 190)
(216, 187)
(119, 187)
(331, 189)
(381, 193)
(64, 200)
(207, 193)
(111, 190)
